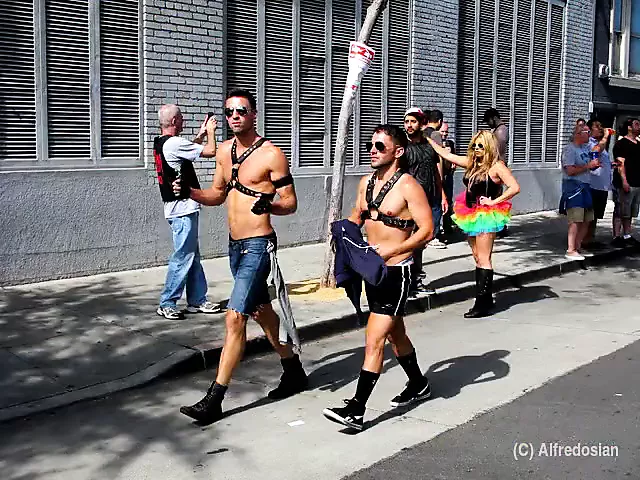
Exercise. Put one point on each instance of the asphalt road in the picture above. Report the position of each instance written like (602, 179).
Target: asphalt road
(496, 381)
(581, 426)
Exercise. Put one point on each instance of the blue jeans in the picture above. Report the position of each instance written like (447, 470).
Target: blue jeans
(185, 269)
(250, 263)
(436, 214)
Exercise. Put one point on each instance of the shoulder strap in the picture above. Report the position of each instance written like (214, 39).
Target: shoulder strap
(370, 187)
(385, 189)
(234, 155)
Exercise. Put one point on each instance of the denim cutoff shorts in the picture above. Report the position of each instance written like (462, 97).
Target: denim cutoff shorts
(250, 264)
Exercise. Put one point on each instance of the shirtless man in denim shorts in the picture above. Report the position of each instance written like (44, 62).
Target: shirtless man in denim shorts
(250, 171)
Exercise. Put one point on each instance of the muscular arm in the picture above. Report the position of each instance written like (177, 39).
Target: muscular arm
(420, 212)
(444, 153)
(507, 178)
(217, 193)
(621, 171)
(287, 202)
(357, 210)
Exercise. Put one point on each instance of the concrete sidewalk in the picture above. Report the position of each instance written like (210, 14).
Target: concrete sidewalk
(70, 340)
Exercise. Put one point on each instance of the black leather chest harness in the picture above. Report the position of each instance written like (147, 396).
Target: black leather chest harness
(375, 204)
(234, 182)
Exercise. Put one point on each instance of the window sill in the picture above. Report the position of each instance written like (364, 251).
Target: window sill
(624, 82)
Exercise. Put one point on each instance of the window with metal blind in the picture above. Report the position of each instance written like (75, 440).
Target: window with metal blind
(119, 79)
(300, 71)
(17, 83)
(343, 31)
(278, 73)
(72, 86)
(312, 70)
(370, 93)
(465, 119)
(398, 61)
(513, 63)
(68, 102)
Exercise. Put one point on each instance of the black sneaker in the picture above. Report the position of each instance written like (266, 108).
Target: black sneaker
(412, 393)
(351, 415)
(206, 411)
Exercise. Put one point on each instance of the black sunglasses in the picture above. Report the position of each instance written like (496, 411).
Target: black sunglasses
(380, 147)
(242, 111)
(479, 145)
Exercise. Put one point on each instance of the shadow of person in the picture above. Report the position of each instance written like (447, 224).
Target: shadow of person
(335, 375)
(449, 377)
(507, 299)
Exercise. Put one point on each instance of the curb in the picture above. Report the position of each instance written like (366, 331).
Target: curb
(192, 360)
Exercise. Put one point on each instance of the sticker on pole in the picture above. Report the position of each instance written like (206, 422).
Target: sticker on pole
(360, 58)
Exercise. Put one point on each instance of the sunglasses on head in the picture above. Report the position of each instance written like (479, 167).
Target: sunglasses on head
(242, 111)
(380, 147)
(479, 145)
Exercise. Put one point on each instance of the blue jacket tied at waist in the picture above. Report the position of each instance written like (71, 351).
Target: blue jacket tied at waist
(575, 194)
(355, 261)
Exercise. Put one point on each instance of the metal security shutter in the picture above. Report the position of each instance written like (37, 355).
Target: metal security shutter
(398, 59)
(505, 50)
(278, 74)
(466, 65)
(371, 89)
(241, 46)
(538, 81)
(17, 83)
(523, 39)
(343, 31)
(119, 78)
(485, 61)
(555, 72)
(311, 87)
(68, 110)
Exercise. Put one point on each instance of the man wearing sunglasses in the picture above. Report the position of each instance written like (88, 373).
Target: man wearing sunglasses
(390, 204)
(250, 172)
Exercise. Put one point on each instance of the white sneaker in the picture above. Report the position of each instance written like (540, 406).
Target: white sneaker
(170, 313)
(586, 254)
(574, 256)
(435, 243)
(206, 307)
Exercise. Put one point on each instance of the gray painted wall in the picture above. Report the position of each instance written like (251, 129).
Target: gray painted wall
(73, 223)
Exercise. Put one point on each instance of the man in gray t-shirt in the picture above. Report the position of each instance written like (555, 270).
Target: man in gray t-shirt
(174, 157)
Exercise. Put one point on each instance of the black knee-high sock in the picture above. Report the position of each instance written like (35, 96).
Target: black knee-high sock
(409, 364)
(366, 382)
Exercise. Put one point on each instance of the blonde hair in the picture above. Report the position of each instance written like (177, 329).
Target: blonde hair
(479, 170)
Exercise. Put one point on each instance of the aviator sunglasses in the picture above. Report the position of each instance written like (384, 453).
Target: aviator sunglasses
(242, 111)
(379, 146)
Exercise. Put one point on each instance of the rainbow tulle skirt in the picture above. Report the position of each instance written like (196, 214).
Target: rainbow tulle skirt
(480, 218)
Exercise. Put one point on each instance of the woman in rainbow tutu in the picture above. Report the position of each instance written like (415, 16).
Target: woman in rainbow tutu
(482, 209)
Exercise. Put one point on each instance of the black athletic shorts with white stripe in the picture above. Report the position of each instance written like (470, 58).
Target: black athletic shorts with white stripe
(390, 297)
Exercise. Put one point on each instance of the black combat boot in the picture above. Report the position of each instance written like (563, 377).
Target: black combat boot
(292, 381)
(209, 409)
(484, 294)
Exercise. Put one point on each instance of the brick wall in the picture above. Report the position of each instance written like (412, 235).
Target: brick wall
(578, 66)
(434, 51)
(183, 64)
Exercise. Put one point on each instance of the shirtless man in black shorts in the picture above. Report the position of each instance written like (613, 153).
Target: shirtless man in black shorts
(404, 206)
(250, 171)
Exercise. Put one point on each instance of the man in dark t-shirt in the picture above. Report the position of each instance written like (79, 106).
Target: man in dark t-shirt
(627, 155)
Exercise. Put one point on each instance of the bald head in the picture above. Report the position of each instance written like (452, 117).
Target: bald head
(170, 118)
(444, 130)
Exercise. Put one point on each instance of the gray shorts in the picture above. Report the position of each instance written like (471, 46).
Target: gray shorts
(629, 202)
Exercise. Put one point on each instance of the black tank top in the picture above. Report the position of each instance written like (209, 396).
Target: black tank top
(487, 188)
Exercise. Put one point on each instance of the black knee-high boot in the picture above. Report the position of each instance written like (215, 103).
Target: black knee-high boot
(484, 298)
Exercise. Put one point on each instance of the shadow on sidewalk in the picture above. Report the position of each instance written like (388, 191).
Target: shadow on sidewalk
(335, 375)
(449, 377)
(510, 298)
